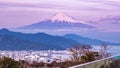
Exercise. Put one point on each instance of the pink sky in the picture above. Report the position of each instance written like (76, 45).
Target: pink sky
(15, 13)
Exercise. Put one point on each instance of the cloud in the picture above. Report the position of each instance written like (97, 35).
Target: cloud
(36, 10)
(71, 5)
(10, 4)
(115, 3)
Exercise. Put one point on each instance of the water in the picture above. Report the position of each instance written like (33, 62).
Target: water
(113, 49)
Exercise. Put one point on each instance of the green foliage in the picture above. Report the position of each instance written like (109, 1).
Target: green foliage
(88, 57)
(11, 63)
(55, 64)
(8, 63)
(84, 59)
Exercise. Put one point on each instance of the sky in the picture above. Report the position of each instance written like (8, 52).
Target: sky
(16, 13)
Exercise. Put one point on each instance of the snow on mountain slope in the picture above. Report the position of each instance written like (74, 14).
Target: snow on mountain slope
(62, 17)
(65, 18)
(59, 21)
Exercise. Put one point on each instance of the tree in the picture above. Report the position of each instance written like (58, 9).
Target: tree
(88, 57)
(8, 63)
(104, 51)
(23, 64)
(86, 48)
(78, 51)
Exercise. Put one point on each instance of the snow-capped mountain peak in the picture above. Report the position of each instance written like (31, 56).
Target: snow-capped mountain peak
(59, 21)
(62, 17)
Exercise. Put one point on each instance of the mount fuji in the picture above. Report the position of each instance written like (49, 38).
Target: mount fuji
(59, 21)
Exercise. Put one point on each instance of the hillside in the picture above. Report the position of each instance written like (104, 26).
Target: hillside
(16, 40)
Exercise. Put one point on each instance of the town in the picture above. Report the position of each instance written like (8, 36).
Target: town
(46, 56)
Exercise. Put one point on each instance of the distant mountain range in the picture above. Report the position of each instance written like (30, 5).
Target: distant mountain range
(59, 21)
(10, 40)
(85, 40)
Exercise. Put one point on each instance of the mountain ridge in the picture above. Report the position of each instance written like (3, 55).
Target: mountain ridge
(35, 41)
(59, 21)
(86, 40)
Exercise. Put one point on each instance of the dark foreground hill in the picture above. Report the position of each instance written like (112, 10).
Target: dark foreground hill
(10, 40)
